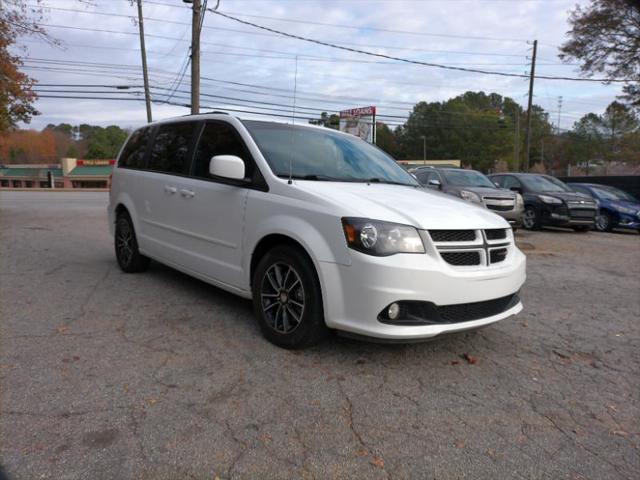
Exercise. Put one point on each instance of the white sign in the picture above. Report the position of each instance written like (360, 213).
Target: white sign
(360, 122)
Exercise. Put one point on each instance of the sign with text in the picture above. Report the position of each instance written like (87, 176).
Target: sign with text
(359, 122)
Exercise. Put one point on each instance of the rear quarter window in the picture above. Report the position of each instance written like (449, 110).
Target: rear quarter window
(133, 154)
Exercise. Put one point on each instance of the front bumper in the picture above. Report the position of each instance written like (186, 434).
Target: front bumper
(626, 220)
(354, 295)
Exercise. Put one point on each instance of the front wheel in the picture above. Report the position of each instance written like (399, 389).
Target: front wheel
(530, 219)
(287, 299)
(603, 222)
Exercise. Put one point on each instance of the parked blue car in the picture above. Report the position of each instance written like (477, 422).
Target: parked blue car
(617, 209)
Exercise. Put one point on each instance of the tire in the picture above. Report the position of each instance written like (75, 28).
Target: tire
(530, 219)
(125, 242)
(582, 228)
(287, 299)
(604, 222)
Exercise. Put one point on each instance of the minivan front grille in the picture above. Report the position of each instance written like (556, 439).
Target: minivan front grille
(496, 233)
(453, 235)
(472, 248)
(461, 258)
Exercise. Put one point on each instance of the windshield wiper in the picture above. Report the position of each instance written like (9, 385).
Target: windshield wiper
(389, 182)
(320, 178)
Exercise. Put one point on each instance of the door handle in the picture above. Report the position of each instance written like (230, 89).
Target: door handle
(187, 193)
(170, 190)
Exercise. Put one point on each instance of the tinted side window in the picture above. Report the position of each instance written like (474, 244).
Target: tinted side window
(423, 177)
(133, 153)
(511, 182)
(580, 190)
(219, 138)
(170, 149)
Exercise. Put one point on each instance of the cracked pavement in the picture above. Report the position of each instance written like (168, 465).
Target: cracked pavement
(106, 375)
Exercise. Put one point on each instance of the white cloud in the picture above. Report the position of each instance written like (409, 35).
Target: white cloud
(232, 56)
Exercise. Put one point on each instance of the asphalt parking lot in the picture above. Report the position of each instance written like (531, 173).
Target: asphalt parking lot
(105, 375)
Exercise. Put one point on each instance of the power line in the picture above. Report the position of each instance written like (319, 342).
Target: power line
(405, 60)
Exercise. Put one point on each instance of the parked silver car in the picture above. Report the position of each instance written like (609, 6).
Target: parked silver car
(474, 187)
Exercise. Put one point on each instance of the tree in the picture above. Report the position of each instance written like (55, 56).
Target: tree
(605, 38)
(17, 17)
(474, 127)
(386, 139)
(326, 120)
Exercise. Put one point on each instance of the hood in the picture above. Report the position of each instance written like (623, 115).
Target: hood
(625, 204)
(485, 191)
(423, 208)
(567, 196)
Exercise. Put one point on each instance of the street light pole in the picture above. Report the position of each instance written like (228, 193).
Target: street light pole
(424, 148)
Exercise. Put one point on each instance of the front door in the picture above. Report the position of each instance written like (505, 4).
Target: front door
(209, 213)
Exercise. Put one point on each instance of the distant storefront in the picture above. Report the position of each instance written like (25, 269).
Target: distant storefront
(70, 173)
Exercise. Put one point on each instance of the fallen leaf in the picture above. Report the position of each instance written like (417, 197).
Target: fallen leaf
(377, 461)
(455, 362)
(152, 401)
(362, 452)
(470, 359)
(62, 329)
(492, 453)
(562, 354)
(265, 438)
(620, 433)
(460, 444)
(76, 358)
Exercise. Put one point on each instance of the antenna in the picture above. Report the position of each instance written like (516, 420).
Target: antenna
(293, 121)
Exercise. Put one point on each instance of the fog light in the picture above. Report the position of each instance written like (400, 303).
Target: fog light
(394, 311)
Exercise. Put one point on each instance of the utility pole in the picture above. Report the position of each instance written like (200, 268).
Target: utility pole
(145, 74)
(195, 58)
(424, 148)
(517, 140)
(531, 77)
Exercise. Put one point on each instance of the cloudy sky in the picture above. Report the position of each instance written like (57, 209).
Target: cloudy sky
(244, 68)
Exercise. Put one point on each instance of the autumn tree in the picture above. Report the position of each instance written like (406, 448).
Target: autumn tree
(605, 38)
(17, 18)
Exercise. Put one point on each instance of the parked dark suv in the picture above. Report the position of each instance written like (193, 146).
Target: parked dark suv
(474, 187)
(548, 201)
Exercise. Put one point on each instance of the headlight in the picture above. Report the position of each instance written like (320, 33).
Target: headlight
(519, 200)
(470, 196)
(548, 199)
(629, 211)
(381, 238)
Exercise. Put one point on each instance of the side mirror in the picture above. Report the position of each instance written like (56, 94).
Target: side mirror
(227, 166)
(434, 182)
(497, 184)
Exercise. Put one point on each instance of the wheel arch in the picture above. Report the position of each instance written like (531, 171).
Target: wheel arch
(270, 241)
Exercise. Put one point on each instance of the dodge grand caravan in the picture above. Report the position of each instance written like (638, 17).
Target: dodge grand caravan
(321, 229)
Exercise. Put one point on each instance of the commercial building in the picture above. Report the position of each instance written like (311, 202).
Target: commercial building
(70, 173)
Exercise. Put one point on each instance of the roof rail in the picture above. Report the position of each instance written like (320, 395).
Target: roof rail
(205, 113)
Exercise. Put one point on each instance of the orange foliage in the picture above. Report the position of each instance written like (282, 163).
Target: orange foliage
(28, 146)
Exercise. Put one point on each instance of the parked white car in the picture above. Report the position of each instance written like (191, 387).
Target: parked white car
(322, 230)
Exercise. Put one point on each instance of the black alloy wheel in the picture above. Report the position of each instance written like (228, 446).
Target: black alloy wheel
(128, 255)
(287, 298)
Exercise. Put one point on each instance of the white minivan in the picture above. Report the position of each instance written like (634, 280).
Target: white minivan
(321, 229)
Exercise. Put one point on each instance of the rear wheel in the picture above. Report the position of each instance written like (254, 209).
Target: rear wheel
(126, 244)
(603, 222)
(287, 299)
(530, 219)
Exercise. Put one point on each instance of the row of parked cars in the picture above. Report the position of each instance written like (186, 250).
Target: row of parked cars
(534, 201)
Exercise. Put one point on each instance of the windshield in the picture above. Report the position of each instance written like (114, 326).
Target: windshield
(611, 193)
(322, 154)
(538, 183)
(467, 178)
